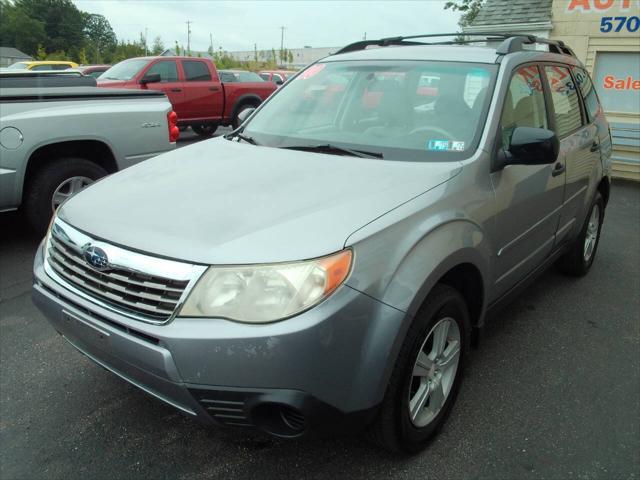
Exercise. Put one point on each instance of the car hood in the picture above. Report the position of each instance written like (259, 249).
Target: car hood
(223, 202)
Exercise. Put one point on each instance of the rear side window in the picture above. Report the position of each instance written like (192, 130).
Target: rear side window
(524, 104)
(196, 71)
(588, 91)
(264, 76)
(167, 69)
(565, 100)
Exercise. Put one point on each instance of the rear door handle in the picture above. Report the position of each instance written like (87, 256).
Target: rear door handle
(558, 169)
(595, 146)
(214, 89)
(176, 89)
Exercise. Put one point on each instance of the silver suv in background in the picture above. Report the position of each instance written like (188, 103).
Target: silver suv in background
(326, 266)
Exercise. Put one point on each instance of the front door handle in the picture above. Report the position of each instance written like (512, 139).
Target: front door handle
(595, 146)
(558, 169)
(214, 89)
(176, 89)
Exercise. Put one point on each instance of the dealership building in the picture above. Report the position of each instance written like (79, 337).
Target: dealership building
(605, 35)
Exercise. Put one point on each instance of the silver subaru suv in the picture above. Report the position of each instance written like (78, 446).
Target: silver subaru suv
(326, 266)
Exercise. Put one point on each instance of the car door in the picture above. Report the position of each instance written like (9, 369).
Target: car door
(170, 84)
(528, 197)
(579, 146)
(203, 94)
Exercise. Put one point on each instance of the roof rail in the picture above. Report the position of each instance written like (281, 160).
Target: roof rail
(512, 42)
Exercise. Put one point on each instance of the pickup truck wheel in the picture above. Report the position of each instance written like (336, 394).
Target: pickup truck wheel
(53, 184)
(236, 121)
(578, 260)
(427, 375)
(205, 130)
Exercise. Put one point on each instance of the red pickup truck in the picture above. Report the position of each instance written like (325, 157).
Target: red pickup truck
(193, 86)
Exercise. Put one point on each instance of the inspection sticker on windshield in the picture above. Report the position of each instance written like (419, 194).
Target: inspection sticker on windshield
(438, 145)
(445, 146)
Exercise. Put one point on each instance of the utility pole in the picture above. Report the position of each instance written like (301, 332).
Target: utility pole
(282, 38)
(211, 43)
(146, 43)
(365, 36)
(189, 22)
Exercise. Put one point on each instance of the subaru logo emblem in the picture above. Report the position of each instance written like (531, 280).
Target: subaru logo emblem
(96, 257)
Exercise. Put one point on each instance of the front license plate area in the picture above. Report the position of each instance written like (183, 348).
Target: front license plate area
(85, 330)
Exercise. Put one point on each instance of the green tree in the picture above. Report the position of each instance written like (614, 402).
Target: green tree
(469, 9)
(82, 57)
(63, 24)
(177, 48)
(19, 30)
(42, 54)
(158, 46)
(290, 56)
(100, 36)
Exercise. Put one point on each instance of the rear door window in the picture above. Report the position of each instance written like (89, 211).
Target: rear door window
(564, 97)
(588, 91)
(167, 69)
(196, 71)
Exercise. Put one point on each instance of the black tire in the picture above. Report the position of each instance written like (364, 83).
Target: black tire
(393, 429)
(235, 123)
(38, 197)
(573, 262)
(205, 129)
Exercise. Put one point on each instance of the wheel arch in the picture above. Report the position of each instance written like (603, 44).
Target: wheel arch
(604, 187)
(94, 151)
(246, 99)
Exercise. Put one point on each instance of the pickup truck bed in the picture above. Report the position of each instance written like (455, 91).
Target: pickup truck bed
(56, 140)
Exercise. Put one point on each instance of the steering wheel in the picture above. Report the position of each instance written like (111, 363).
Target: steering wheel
(436, 130)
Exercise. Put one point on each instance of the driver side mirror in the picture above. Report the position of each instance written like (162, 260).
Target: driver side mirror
(531, 146)
(244, 114)
(150, 78)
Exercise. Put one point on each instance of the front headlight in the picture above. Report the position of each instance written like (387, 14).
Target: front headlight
(266, 293)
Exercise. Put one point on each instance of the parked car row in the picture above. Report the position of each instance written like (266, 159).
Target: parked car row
(202, 97)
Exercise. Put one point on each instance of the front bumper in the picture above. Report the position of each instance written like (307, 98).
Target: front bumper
(325, 370)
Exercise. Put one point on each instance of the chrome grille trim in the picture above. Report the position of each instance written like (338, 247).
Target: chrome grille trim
(139, 286)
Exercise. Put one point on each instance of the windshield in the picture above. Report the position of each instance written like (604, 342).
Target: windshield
(404, 110)
(124, 70)
(19, 65)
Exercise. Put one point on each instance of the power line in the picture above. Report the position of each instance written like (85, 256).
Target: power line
(282, 38)
(189, 22)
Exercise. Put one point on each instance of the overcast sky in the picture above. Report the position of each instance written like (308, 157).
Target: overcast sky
(237, 25)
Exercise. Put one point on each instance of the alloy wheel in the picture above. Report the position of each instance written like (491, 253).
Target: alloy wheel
(591, 235)
(67, 189)
(434, 372)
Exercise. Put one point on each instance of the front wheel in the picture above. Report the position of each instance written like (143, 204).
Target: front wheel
(53, 184)
(578, 260)
(235, 123)
(426, 378)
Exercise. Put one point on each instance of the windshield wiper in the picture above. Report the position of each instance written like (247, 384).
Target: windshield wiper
(241, 136)
(329, 148)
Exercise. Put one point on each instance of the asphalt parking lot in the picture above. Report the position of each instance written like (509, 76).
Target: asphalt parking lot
(552, 392)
